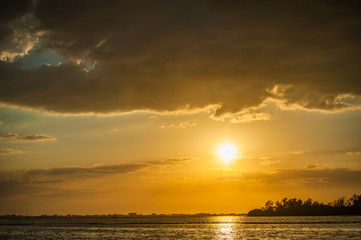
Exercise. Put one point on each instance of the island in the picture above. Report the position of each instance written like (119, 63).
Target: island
(297, 207)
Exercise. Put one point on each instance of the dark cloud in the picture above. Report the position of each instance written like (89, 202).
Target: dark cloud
(308, 175)
(17, 33)
(29, 137)
(9, 135)
(167, 55)
(10, 11)
(85, 171)
(50, 181)
(42, 181)
(10, 188)
(42, 175)
(36, 137)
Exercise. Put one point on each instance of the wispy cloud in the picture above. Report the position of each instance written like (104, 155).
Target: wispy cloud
(296, 152)
(38, 180)
(308, 175)
(51, 180)
(36, 137)
(250, 117)
(29, 137)
(60, 173)
(178, 160)
(86, 171)
(246, 116)
(179, 124)
(8, 151)
(269, 162)
(9, 135)
(354, 154)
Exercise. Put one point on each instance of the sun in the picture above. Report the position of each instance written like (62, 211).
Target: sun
(226, 152)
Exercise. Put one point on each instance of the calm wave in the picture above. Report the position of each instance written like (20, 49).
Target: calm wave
(235, 227)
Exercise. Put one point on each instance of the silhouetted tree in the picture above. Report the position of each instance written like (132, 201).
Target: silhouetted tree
(297, 207)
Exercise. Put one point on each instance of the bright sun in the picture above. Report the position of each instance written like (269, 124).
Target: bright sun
(226, 152)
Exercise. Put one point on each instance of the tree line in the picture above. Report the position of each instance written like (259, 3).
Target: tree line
(297, 207)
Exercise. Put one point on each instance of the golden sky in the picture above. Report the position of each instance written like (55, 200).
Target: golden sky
(177, 106)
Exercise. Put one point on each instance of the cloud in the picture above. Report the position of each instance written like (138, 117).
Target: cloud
(179, 124)
(29, 137)
(269, 162)
(51, 181)
(49, 174)
(36, 137)
(8, 151)
(9, 135)
(356, 154)
(297, 152)
(86, 171)
(17, 29)
(308, 175)
(311, 166)
(44, 181)
(168, 55)
(177, 160)
(246, 116)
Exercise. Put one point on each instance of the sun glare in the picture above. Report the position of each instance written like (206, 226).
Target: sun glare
(226, 152)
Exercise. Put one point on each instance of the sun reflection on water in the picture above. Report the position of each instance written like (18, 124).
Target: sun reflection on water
(226, 228)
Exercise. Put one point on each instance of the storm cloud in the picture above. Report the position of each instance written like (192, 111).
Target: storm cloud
(169, 55)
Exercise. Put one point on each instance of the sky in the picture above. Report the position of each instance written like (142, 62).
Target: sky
(125, 106)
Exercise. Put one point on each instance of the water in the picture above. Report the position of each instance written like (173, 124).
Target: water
(219, 227)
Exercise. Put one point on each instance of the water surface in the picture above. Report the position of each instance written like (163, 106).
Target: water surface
(219, 227)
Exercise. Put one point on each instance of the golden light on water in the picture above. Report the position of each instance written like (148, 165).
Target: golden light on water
(226, 228)
(227, 152)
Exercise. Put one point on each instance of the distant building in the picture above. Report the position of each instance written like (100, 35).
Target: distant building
(132, 214)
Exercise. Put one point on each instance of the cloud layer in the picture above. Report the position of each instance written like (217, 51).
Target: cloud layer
(309, 175)
(60, 173)
(168, 55)
(29, 137)
(38, 180)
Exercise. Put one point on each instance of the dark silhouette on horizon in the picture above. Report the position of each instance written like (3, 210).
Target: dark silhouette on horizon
(297, 207)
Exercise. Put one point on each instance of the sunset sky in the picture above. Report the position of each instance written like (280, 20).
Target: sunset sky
(177, 106)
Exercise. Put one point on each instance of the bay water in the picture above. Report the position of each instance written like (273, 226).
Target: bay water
(183, 227)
